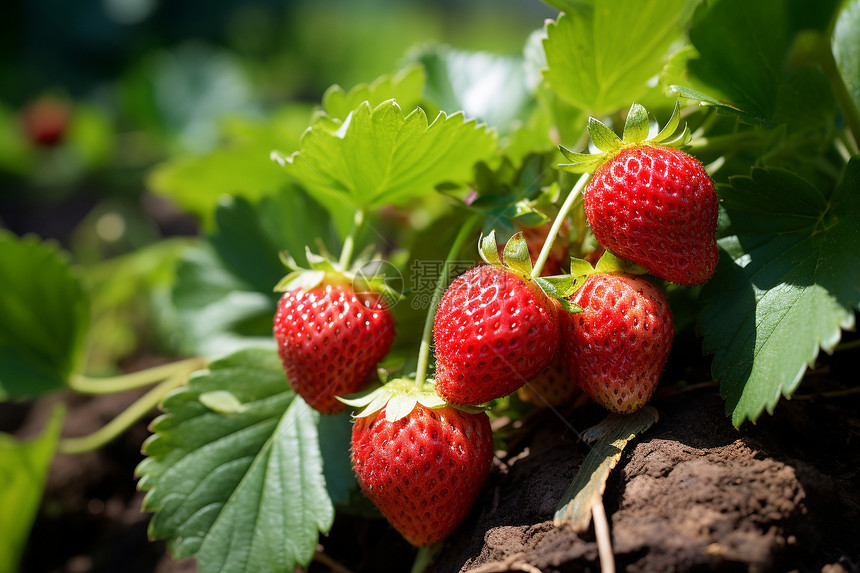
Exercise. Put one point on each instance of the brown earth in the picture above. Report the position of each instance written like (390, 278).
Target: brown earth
(691, 494)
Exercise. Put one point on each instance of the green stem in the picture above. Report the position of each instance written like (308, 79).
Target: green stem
(87, 385)
(349, 242)
(125, 420)
(840, 91)
(559, 220)
(441, 284)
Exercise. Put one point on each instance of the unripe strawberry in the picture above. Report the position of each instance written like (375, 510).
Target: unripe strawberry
(424, 470)
(617, 346)
(329, 339)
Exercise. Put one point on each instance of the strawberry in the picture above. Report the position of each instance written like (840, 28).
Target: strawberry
(616, 347)
(494, 331)
(329, 339)
(45, 121)
(422, 469)
(552, 387)
(330, 336)
(649, 203)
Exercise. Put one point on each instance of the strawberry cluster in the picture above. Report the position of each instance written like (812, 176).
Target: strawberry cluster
(422, 450)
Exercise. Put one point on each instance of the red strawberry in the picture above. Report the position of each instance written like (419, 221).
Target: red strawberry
(45, 121)
(552, 387)
(425, 470)
(616, 347)
(656, 206)
(494, 331)
(329, 339)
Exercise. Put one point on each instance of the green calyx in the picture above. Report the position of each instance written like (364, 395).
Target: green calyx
(362, 275)
(516, 258)
(608, 263)
(399, 397)
(636, 131)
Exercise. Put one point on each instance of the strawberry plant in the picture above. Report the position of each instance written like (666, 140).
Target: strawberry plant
(644, 175)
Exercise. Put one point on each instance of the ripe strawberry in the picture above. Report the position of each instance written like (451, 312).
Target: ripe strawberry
(495, 330)
(425, 470)
(649, 202)
(656, 206)
(329, 339)
(616, 347)
(552, 387)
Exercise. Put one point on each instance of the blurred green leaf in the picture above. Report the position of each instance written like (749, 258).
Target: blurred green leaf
(222, 296)
(785, 286)
(380, 157)
(45, 314)
(601, 57)
(198, 183)
(405, 86)
(846, 48)
(91, 136)
(489, 87)
(240, 491)
(23, 469)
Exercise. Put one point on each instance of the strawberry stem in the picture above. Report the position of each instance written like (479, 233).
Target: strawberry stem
(556, 225)
(112, 385)
(441, 284)
(349, 242)
(124, 421)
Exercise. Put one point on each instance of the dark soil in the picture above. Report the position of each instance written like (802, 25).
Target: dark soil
(691, 494)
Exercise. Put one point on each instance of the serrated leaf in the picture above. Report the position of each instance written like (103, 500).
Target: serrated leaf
(601, 56)
(785, 285)
(517, 254)
(612, 436)
(381, 157)
(405, 86)
(23, 470)
(636, 126)
(45, 317)
(240, 492)
(846, 48)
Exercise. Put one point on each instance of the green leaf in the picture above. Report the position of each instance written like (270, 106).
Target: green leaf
(45, 320)
(722, 106)
(846, 48)
(23, 469)
(602, 56)
(405, 86)
(612, 436)
(222, 297)
(785, 285)
(489, 250)
(380, 157)
(474, 83)
(242, 491)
